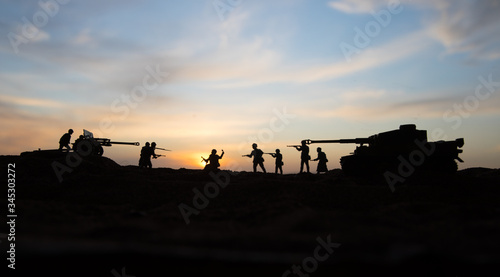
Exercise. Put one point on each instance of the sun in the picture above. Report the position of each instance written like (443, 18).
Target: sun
(201, 161)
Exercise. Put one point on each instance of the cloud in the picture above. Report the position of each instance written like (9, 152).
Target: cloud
(375, 105)
(469, 27)
(84, 38)
(31, 102)
(356, 6)
(461, 26)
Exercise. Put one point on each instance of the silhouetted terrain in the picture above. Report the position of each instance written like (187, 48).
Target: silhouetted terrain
(106, 217)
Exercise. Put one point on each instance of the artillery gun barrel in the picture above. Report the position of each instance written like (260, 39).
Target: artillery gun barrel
(125, 143)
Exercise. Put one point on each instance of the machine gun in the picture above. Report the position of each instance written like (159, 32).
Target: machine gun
(86, 143)
(385, 151)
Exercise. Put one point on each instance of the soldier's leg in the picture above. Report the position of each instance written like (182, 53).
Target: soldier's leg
(262, 166)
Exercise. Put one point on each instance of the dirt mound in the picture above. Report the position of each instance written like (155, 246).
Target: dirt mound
(117, 215)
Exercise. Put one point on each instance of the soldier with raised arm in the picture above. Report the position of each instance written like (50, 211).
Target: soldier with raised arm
(213, 161)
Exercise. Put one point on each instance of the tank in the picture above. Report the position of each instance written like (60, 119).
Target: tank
(399, 149)
(86, 143)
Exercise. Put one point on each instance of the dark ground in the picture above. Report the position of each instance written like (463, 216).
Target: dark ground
(104, 217)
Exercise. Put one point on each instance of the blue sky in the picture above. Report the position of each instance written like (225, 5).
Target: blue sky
(225, 71)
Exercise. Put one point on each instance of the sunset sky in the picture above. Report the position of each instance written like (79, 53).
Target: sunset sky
(202, 74)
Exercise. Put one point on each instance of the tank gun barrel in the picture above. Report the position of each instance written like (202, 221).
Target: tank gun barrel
(356, 140)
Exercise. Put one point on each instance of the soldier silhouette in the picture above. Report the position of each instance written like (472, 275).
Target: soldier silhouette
(322, 160)
(145, 159)
(304, 156)
(65, 139)
(153, 147)
(279, 161)
(213, 161)
(257, 158)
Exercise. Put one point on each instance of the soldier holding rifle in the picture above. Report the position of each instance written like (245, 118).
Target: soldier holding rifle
(279, 161)
(304, 156)
(257, 158)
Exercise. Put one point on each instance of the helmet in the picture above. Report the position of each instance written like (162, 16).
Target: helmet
(147, 143)
(70, 131)
(254, 145)
(153, 143)
(214, 151)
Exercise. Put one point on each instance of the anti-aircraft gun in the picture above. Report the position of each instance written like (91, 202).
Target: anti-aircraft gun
(86, 143)
(405, 146)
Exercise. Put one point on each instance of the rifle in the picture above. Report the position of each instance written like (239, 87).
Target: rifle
(158, 156)
(293, 145)
(272, 154)
(204, 160)
(162, 149)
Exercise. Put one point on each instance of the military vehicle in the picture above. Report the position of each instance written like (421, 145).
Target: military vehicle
(390, 150)
(86, 143)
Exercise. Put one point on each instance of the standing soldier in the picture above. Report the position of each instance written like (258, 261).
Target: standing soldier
(257, 158)
(145, 159)
(304, 156)
(65, 139)
(279, 161)
(153, 147)
(322, 160)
